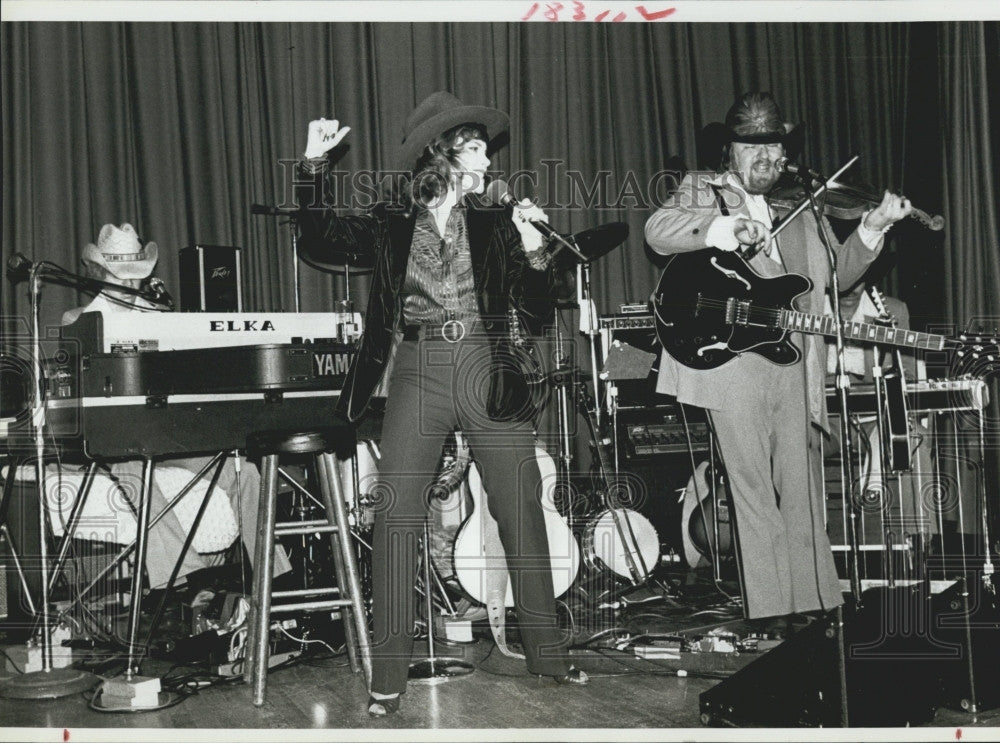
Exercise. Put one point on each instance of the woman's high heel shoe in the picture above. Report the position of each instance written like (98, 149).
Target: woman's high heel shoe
(573, 676)
(383, 707)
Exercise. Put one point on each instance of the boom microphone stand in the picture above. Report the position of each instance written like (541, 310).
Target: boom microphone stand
(277, 211)
(846, 450)
(843, 385)
(843, 380)
(48, 683)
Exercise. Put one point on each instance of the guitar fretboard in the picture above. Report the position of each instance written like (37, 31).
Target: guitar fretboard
(862, 331)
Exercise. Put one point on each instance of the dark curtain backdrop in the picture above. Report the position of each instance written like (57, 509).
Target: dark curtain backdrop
(178, 128)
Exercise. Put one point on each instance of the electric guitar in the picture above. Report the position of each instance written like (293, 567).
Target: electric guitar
(710, 306)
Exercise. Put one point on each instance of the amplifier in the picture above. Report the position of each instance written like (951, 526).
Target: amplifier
(628, 321)
(661, 430)
(639, 332)
(211, 279)
(643, 439)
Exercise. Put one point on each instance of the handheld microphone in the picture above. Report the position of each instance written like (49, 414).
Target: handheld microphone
(801, 171)
(497, 193)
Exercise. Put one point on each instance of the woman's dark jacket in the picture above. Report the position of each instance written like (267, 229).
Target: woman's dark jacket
(502, 275)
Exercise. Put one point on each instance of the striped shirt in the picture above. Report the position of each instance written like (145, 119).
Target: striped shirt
(439, 284)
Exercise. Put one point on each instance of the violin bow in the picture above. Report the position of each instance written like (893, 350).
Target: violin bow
(784, 221)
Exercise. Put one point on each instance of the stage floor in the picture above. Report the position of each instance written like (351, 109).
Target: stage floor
(626, 692)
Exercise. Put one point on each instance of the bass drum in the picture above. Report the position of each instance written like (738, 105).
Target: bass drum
(612, 536)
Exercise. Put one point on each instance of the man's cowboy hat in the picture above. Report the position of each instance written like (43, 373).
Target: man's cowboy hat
(120, 253)
(756, 119)
(438, 113)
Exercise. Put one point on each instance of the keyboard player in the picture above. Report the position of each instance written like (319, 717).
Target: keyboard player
(119, 257)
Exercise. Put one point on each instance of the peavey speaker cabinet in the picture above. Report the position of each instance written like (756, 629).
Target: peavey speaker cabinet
(211, 279)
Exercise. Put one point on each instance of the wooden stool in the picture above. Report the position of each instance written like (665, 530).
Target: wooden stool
(322, 443)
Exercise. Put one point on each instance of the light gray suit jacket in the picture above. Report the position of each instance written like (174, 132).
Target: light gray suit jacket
(682, 224)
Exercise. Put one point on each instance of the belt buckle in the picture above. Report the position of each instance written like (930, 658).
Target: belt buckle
(453, 331)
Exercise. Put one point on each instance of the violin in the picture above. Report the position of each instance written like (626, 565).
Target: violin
(843, 202)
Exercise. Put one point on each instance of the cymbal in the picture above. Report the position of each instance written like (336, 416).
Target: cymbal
(315, 254)
(598, 241)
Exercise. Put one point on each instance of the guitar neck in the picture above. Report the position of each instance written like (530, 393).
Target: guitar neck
(862, 331)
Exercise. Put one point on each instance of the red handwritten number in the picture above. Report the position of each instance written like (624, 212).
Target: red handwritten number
(65, 735)
(958, 734)
(553, 11)
(531, 12)
(653, 15)
(578, 14)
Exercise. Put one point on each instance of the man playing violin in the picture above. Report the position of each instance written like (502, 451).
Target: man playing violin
(768, 419)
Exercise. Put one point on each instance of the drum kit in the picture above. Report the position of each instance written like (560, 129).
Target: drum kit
(616, 542)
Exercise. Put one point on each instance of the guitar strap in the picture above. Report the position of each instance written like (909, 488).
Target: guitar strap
(495, 581)
(722, 202)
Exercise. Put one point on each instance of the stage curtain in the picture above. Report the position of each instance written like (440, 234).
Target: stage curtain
(970, 144)
(178, 128)
(971, 151)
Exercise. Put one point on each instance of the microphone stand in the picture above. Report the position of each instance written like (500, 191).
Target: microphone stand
(48, 683)
(274, 211)
(564, 459)
(846, 450)
(56, 275)
(843, 386)
(588, 326)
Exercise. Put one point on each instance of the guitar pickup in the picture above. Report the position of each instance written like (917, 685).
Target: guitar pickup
(731, 311)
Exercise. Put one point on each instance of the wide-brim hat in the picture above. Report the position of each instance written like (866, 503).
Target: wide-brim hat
(438, 113)
(120, 252)
(756, 119)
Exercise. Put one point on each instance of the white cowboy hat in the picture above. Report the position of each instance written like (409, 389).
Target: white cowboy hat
(120, 253)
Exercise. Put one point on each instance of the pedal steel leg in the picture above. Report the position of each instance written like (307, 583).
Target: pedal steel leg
(74, 517)
(142, 531)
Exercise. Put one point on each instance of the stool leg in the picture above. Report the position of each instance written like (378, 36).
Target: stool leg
(326, 476)
(258, 645)
(345, 561)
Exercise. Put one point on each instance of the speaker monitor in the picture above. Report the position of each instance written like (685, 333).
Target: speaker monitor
(211, 279)
(904, 653)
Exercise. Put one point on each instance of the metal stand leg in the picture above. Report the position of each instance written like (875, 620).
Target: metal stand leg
(74, 518)
(49, 682)
(142, 519)
(258, 640)
(434, 670)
